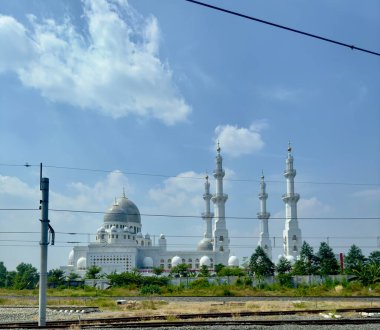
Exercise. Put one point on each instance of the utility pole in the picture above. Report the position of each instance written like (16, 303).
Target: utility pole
(44, 187)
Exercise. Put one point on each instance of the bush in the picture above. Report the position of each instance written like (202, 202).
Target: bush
(285, 280)
(200, 283)
(150, 289)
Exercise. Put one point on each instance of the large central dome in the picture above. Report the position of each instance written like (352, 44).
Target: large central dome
(124, 210)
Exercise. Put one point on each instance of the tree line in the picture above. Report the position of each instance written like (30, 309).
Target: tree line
(322, 263)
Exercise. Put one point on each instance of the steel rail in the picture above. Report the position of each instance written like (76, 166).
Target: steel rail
(194, 319)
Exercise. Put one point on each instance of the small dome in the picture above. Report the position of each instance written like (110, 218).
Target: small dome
(148, 262)
(139, 235)
(162, 236)
(290, 258)
(176, 261)
(125, 229)
(205, 261)
(233, 261)
(81, 263)
(205, 245)
(113, 229)
(70, 262)
(124, 210)
(101, 230)
(147, 236)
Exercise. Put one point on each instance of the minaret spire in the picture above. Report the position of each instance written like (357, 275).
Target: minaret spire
(221, 240)
(207, 215)
(263, 216)
(292, 233)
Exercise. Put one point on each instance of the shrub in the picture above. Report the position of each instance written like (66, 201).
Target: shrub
(200, 283)
(150, 289)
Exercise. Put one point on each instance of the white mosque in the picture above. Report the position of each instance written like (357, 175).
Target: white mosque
(120, 245)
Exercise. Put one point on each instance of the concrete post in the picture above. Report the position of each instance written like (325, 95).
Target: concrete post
(44, 250)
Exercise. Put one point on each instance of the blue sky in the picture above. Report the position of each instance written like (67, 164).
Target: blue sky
(150, 86)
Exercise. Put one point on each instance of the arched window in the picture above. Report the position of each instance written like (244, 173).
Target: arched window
(142, 243)
(221, 238)
(295, 248)
(294, 238)
(221, 249)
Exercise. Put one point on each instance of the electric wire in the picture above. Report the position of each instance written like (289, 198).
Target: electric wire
(188, 216)
(188, 177)
(352, 47)
(200, 236)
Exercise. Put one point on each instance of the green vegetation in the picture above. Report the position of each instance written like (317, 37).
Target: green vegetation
(363, 278)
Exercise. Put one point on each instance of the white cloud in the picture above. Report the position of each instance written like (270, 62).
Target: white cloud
(236, 141)
(369, 194)
(15, 193)
(180, 195)
(312, 207)
(280, 93)
(114, 68)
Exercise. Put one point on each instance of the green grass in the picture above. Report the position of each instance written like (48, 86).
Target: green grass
(200, 288)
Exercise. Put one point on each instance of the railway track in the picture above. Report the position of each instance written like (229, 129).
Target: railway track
(209, 319)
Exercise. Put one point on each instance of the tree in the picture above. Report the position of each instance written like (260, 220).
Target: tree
(93, 271)
(354, 260)
(180, 270)
(283, 269)
(218, 268)
(260, 265)
(56, 276)
(3, 275)
(72, 276)
(204, 271)
(374, 257)
(307, 263)
(328, 265)
(9, 283)
(283, 266)
(368, 274)
(158, 270)
(26, 277)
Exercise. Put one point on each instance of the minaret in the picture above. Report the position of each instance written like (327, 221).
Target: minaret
(263, 216)
(292, 233)
(207, 215)
(221, 240)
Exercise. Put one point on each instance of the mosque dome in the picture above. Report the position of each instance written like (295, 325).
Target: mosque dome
(113, 229)
(101, 230)
(205, 261)
(139, 235)
(148, 262)
(124, 210)
(71, 258)
(205, 245)
(162, 236)
(81, 263)
(233, 261)
(147, 236)
(176, 261)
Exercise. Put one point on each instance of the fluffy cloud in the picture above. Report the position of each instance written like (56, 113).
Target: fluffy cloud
(236, 141)
(22, 227)
(180, 195)
(113, 67)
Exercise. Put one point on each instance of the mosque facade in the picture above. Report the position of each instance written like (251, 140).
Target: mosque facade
(120, 245)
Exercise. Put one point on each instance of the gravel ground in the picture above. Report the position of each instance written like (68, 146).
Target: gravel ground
(15, 314)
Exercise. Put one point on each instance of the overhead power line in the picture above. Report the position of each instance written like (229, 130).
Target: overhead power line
(167, 176)
(352, 47)
(190, 216)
